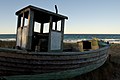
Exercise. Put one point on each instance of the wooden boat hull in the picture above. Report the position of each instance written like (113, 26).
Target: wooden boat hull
(34, 65)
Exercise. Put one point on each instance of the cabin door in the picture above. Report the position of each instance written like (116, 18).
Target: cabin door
(55, 41)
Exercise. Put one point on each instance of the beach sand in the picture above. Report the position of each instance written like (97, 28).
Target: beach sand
(114, 52)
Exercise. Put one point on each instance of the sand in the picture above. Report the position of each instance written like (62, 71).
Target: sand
(114, 52)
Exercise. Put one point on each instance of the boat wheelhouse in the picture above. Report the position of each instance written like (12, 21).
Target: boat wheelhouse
(40, 41)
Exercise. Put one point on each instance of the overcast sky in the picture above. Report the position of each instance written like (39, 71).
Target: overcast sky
(85, 16)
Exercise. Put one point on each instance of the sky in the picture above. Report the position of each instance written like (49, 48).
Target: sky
(84, 16)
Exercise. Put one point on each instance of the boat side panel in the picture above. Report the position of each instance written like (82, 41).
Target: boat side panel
(20, 63)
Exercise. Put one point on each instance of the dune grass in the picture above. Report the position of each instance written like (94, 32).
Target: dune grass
(7, 44)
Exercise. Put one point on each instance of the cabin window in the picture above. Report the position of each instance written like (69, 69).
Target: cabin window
(26, 22)
(53, 28)
(46, 28)
(59, 26)
(36, 27)
(26, 18)
(21, 21)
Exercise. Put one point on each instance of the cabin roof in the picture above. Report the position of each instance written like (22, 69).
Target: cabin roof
(41, 15)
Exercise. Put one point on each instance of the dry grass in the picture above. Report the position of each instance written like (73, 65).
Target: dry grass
(7, 44)
(70, 46)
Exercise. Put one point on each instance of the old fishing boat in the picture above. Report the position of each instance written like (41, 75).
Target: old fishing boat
(40, 55)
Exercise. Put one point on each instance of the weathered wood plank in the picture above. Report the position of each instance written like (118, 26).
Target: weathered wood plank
(54, 62)
(57, 75)
(31, 63)
(52, 57)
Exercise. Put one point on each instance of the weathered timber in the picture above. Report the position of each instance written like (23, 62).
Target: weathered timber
(19, 62)
(29, 39)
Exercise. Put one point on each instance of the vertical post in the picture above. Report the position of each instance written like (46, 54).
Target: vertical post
(56, 25)
(23, 21)
(50, 28)
(50, 23)
(30, 29)
(19, 21)
(18, 25)
(41, 28)
(62, 32)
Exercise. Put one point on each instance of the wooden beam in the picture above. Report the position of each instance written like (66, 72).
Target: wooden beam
(62, 25)
(62, 32)
(18, 25)
(56, 25)
(23, 20)
(19, 21)
(30, 29)
(21, 12)
(50, 23)
(50, 28)
(41, 28)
